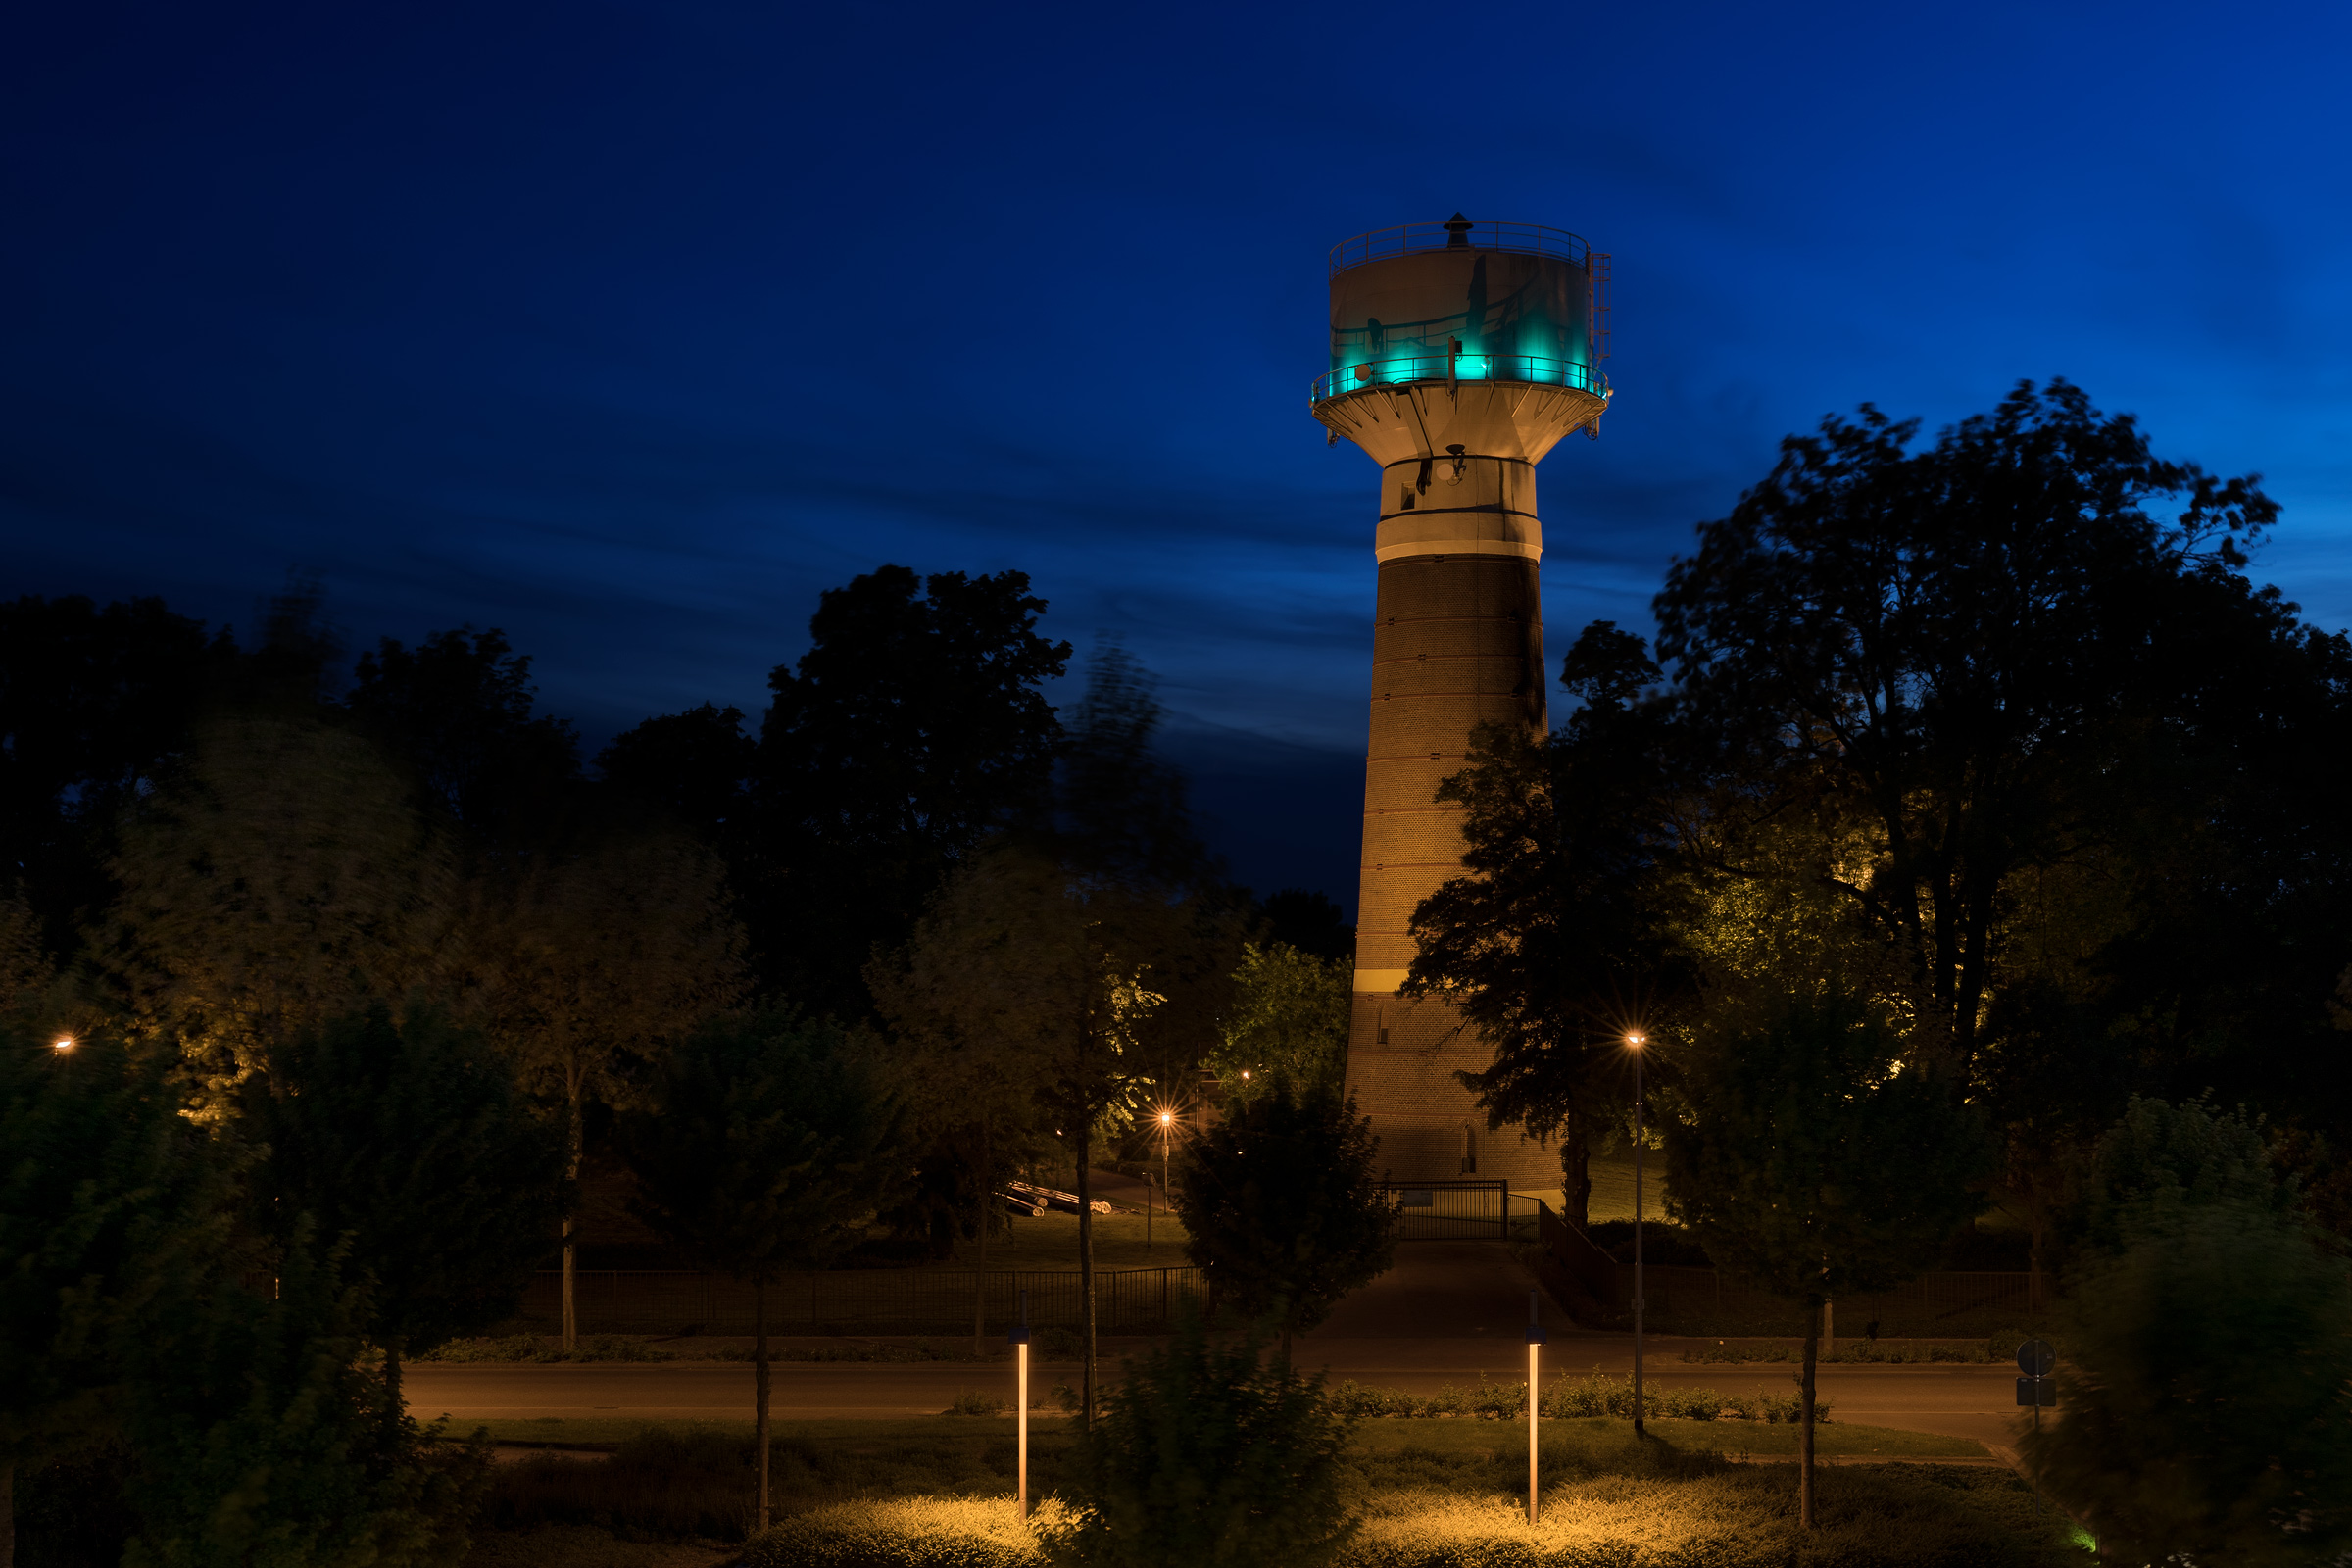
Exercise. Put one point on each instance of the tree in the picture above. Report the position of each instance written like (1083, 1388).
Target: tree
(962, 1056)
(696, 766)
(280, 875)
(93, 704)
(1288, 1024)
(1569, 927)
(1308, 922)
(265, 1437)
(1818, 1156)
(763, 1142)
(1962, 649)
(99, 1178)
(594, 955)
(1050, 981)
(459, 709)
(1211, 1454)
(2206, 1400)
(405, 1144)
(913, 727)
(1281, 1205)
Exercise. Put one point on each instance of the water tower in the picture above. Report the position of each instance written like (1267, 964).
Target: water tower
(1460, 353)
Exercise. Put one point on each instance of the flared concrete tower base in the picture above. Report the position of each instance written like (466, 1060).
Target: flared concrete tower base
(1457, 643)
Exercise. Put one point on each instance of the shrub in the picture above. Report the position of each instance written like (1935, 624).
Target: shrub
(1209, 1456)
(2202, 1405)
(904, 1532)
(971, 1401)
(1566, 1398)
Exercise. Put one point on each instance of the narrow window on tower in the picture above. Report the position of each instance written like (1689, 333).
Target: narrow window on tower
(1407, 503)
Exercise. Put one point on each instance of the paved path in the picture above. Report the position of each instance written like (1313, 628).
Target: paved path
(1448, 1312)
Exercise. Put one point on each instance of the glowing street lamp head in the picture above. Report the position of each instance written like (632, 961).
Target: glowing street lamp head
(1636, 1039)
(62, 1043)
(1167, 1119)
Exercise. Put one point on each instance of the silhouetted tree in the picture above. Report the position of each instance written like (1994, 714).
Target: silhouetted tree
(1281, 1205)
(763, 1142)
(92, 705)
(1308, 922)
(1570, 927)
(913, 727)
(459, 709)
(1818, 1156)
(696, 765)
(1958, 649)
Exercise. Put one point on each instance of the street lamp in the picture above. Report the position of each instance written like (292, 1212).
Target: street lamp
(1634, 1043)
(62, 1044)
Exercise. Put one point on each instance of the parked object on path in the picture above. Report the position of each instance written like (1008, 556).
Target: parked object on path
(1067, 1202)
(1023, 1204)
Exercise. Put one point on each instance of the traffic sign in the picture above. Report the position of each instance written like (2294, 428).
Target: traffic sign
(2036, 1392)
(2036, 1359)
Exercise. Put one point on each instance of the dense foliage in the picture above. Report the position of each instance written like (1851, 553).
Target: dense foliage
(2205, 1401)
(1213, 1454)
(1281, 1207)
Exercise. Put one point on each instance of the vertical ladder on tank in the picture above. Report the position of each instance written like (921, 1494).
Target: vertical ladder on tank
(1597, 319)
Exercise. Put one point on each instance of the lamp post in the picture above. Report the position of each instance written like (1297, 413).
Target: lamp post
(1634, 1042)
(1020, 1356)
(1535, 1347)
(1167, 1119)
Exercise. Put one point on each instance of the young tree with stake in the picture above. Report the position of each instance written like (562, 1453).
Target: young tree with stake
(763, 1142)
(1813, 1157)
(1281, 1206)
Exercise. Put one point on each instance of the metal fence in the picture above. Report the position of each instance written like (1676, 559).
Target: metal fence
(1144, 1301)
(1449, 1210)
(1684, 1299)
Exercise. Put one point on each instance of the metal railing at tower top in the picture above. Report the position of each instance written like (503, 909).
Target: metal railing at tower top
(1405, 370)
(1407, 239)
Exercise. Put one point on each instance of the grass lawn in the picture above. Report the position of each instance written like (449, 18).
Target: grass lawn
(1433, 1493)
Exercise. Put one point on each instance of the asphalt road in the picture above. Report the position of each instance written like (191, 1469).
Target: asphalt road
(1445, 1313)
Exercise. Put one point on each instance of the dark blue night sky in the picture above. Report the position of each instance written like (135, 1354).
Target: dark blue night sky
(629, 328)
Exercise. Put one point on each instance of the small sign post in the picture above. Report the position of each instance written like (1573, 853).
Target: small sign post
(2036, 1360)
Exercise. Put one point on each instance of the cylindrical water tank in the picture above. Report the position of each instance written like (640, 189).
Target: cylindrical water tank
(1462, 301)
